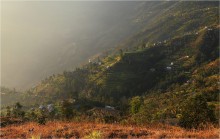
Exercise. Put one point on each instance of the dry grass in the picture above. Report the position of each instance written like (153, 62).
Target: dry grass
(80, 130)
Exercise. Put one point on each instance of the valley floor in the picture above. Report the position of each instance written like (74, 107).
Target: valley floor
(90, 130)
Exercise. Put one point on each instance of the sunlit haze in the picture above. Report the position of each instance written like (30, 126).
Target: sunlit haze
(43, 38)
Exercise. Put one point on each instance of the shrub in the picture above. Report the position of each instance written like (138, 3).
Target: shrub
(135, 104)
(94, 135)
(110, 119)
(41, 120)
(17, 111)
(196, 112)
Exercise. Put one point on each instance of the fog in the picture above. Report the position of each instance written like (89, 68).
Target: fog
(39, 39)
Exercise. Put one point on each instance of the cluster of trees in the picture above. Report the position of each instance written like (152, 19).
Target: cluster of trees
(62, 110)
(208, 46)
(15, 111)
(194, 112)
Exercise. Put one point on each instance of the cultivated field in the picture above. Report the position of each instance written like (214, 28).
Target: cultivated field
(92, 130)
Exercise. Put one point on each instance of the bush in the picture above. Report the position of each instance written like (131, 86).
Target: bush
(17, 111)
(135, 104)
(110, 119)
(196, 112)
(94, 135)
(41, 120)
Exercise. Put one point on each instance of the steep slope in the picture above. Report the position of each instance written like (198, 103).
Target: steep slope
(152, 69)
(162, 56)
(177, 19)
(157, 67)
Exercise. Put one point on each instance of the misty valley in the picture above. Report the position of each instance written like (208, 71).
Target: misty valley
(147, 69)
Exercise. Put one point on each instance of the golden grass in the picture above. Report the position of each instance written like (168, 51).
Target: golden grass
(82, 130)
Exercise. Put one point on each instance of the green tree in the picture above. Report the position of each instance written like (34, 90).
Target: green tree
(135, 104)
(31, 115)
(66, 109)
(39, 116)
(8, 111)
(196, 112)
(17, 110)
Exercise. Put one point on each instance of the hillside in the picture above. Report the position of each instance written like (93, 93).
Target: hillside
(169, 73)
(149, 77)
(137, 71)
(175, 20)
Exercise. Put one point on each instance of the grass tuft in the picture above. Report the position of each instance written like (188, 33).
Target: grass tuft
(94, 135)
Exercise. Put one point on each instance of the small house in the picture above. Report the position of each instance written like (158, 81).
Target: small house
(109, 107)
(168, 68)
(188, 81)
(152, 69)
(42, 107)
(50, 107)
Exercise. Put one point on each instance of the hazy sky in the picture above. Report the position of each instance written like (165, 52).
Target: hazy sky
(41, 38)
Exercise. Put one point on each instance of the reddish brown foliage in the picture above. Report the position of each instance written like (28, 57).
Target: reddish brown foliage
(79, 130)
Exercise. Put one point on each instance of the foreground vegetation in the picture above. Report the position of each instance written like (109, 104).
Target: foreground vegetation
(93, 130)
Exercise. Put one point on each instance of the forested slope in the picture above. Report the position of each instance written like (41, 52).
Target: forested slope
(174, 58)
